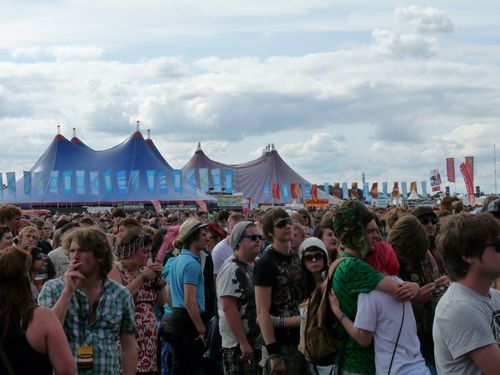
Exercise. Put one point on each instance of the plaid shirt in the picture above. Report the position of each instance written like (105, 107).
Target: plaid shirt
(114, 316)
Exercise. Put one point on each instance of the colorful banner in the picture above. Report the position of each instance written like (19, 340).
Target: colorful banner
(121, 181)
(404, 189)
(327, 191)
(450, 169)
(385, 189)
(95, 186)
(469, 160)
(276, 192)
(150, 178)
(177, 176)
(39, 183)
(203, 204)
(285, 192)
(395, 190)
(435, 180)
(191, 180)
(345, 191)
(157, 206)
(67, 182)
(354, 190)
(336, 190)
(424, 188)
(413, 187)
(216, 180)
(366, 192)
(11, 183)
(267, 193)
(314, 192)
(307, 191)
(135, 182)
(204, 185)
(162, 182)
(54, 182)
(27, 182)
(108, 181)
(374, 190)
(228, 181)
(80, 182)
(469, 185)
(294, 190)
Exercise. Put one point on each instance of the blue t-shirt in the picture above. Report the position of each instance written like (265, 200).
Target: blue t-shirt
(186, 269)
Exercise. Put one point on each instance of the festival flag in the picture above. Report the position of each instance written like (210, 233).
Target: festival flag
(202, 205)
(467, 174)
(157, 206)
(424, 188)
(374, 190)
(395, 190)
(285, 194)
(11, 183)
(162, 182)
(276, 192)
(294, 190)
(267, 193)
(228, 181)
(80, 182)
(366, 192)
(450, 169)
(413, 187)
(216, 180)
(314, 192)
(404, 189)
(345, 191)
(39, 183)
(191, 180)
(327, 191)
(177, 175)
(95, 186)
(354, 190)
(336, 190)
(435, 180)
(67, 182)
(27, 182)
(135, 181)
(121, 181)
(469, 160)
(150, 178)
(307, 191)
(204, 186)
(108, 181)
(54, 182)
(385, 188)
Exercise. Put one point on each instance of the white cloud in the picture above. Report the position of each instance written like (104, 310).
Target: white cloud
(423, 20)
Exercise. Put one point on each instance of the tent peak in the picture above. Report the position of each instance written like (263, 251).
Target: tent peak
(198, 148)
(137, 134)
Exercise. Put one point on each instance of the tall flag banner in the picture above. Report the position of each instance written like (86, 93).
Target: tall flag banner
(11, 182)
(135, 181)
(67, 185)
(228, 181)
(216, 180)
(345, 191)
(162, 182)
(366, 192)
(204, 186)
(307, 191)
(385, 189)
(108, 181)
(327, 191)
(336, 190)
(39, 183)
(80, 182)
(267, 193)
(95, 186)
(374, 190)
(177, 175)
(469, 185)
(450, 169)
(285, 195)
(294, 190)
(202, 205)
(395, 190)
(354, 190)
(191, 180)
(404, 189)
(276, 192)
(424, 188)
(27, 182)
(150, 178)
(413, 187)
(435, 180)
(469, 160)
(54, 182)
(1, 185)
(121, 181)
(157, 206)
(314, 192)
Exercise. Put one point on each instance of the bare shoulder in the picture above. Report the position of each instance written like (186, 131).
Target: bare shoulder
(43, 315)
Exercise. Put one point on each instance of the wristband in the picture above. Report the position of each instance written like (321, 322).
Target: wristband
(342, 317)
(276, 357)
(273, 349)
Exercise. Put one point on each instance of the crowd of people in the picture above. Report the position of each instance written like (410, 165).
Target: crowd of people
(406, 290)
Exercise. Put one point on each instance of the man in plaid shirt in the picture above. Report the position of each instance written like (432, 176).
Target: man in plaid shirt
(94, 310)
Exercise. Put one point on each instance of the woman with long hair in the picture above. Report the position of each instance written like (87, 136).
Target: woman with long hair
(324, 231)
(6, 238)
(31, 336)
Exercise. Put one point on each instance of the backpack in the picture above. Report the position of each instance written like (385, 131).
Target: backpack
(318, 338)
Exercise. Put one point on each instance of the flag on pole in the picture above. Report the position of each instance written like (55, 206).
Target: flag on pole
(450, 169)
(345, 191)
(27, 182)
(374, 190)
(424, 188)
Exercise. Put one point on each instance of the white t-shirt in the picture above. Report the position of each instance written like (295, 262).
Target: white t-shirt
(220, 253)
(380, 313)
(464, 321)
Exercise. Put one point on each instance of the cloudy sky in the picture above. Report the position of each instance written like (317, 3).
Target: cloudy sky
(340, 87)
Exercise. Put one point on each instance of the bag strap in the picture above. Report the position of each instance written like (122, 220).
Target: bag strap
(6, 361)
(397, 340)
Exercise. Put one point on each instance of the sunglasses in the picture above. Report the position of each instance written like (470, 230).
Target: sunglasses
(312, 257)
(283, 223)
(253, 237)
(496, 244)
(427, 219)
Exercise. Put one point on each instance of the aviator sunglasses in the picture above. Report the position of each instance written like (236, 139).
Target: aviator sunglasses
(495, 243)
(281, 223)
(253, 237)
(311, 257)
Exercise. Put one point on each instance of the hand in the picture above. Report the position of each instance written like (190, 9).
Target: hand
(425, 293)
(148, 274)
(72, 277)
(442, 281)
(156, 267)
(334, 303)
(246, 352)
(278, 366)
(407, 291)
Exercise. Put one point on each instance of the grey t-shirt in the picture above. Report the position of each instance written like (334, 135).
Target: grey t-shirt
(464, 321)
